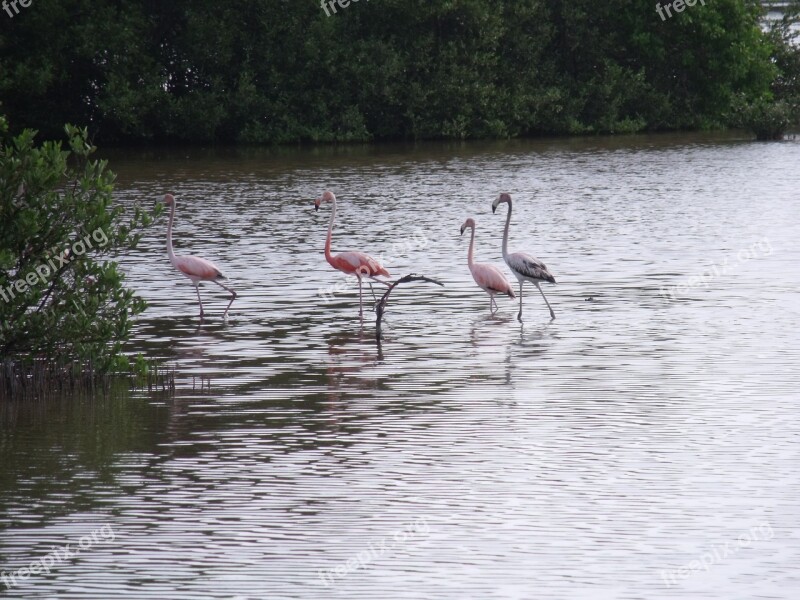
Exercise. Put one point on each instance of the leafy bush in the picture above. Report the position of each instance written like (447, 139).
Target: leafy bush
(61, 295)
(766, 118)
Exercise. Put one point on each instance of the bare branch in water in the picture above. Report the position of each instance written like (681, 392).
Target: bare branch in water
(380, 307)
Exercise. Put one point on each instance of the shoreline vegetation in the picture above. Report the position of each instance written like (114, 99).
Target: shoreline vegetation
(266, 72)
(65, 312)
(43, 378)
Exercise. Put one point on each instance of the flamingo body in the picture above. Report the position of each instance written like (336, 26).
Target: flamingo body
(198, 269)
(528, 268)
(354, 263)
(491, 279)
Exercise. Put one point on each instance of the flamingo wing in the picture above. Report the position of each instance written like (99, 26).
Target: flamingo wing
(359, 263)
(200, 268)
(491, 279)
(528, 266)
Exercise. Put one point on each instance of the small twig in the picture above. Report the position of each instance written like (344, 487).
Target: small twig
(380, 307)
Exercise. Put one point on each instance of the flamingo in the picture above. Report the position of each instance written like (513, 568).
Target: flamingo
(488, 277)
(524, 266)
(351, 263)
(195, 268)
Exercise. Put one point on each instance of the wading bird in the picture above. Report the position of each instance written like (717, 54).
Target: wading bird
(351, 263)
(195, 268)
(488, 277)
(524, 266)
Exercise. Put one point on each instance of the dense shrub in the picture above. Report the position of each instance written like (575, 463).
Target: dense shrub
(61, 293)
(279, 71)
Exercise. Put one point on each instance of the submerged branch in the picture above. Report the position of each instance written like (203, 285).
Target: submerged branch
(380, 307)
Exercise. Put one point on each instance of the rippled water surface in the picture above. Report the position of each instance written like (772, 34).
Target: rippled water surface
(644, 444)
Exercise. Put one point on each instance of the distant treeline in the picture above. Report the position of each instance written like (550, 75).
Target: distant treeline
(281, 71)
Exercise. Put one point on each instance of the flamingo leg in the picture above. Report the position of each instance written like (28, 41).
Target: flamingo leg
(233, 296)
(519, 316)
(197, 289)
(360, 301)
(552, 314)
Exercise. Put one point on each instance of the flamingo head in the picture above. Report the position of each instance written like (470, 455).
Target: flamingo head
(468, 223)
(169, 200)
(504, 197)
(327, 196)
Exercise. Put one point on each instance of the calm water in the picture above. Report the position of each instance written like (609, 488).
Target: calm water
(643, 445)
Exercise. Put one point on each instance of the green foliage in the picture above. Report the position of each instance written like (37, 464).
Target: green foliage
(61, 295)
(770, 114)
(768, 119)
(784, 35)
(140, 366)
(281, 72)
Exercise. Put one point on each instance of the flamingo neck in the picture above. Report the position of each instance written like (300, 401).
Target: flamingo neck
(328, 256)
(471, 244)
(505, 233)
(170, 251)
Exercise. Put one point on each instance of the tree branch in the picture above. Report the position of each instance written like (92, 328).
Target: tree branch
(380, 307)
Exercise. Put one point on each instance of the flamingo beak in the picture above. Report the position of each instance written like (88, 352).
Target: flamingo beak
(462, 230)
(494, 208)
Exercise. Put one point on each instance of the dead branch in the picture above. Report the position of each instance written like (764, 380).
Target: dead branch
(380, 307)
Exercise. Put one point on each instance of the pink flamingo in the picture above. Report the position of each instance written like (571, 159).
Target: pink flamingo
(195, 268)
(524, 266)
(488, 277)
(351, 263)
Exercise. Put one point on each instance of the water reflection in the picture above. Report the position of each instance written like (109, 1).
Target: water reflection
(350, 356)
